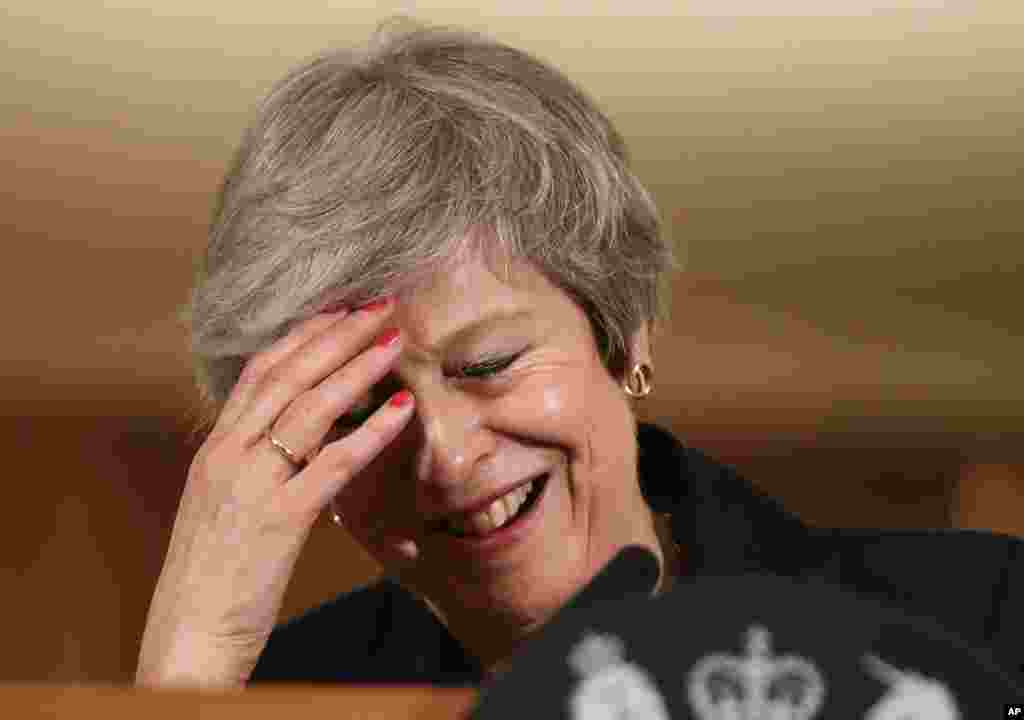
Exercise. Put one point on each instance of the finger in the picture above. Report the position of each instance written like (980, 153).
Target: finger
(304, 368)
(307, 420)
(310, 490)
(259, 364)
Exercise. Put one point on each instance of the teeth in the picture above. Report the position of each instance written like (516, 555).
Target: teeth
(497, 514)
(491, 519)
(512, 501)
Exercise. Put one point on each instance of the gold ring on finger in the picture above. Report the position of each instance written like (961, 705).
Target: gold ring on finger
(285, 452)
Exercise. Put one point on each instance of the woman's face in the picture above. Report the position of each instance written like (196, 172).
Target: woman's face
(542, 403)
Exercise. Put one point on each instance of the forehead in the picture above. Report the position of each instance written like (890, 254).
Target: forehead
(469, 290)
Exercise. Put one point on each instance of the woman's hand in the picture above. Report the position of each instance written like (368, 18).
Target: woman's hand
(246, 510)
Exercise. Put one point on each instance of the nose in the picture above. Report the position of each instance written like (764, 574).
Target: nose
(453, 442)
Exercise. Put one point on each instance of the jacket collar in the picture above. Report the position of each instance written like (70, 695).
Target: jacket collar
(724, 524)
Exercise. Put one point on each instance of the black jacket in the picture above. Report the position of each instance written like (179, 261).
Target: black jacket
(971, 582)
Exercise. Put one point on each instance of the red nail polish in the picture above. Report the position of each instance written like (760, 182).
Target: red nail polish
(378, 304)
(401, 398)
(388, 337)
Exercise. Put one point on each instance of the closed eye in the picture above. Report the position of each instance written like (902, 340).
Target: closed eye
(488, 368)
(475, 371)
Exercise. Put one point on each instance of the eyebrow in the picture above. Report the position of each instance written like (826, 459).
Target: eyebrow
(498, 316)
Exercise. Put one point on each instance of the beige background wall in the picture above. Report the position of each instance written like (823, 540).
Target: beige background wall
(846, 190)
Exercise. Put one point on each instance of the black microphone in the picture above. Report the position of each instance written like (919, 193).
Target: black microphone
(802, 647)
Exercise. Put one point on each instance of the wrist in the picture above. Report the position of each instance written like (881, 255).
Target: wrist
(195, 665)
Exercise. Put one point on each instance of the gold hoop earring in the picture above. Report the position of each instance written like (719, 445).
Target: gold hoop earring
(639, 383)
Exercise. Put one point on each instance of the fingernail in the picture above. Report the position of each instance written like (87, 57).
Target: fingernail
(401, 398)
(388, 337)
(378, 304)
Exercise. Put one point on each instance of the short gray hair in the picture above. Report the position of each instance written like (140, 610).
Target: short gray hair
(367, 171)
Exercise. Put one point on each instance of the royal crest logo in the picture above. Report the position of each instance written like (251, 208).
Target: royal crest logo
(611, 688)
(910, 695)
(756, 686)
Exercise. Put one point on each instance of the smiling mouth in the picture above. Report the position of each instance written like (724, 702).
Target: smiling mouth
(501, 513)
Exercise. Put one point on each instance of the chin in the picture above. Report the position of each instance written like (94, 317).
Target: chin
(524, 573)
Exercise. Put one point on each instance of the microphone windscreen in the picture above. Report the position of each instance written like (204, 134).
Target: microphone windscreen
(750, 646)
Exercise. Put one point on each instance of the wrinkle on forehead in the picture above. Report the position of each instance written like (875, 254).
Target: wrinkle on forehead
(468, 289)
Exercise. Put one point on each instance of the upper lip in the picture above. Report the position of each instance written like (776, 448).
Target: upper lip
(438, 520)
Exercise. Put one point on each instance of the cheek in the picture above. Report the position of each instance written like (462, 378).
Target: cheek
(553, 401)
(565, 396)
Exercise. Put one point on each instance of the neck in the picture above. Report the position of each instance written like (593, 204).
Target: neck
(502, 639)
(671, 556)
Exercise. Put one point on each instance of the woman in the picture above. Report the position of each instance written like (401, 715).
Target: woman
(427, 305)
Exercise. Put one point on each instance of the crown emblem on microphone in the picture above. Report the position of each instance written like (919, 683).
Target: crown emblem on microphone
(756, 686)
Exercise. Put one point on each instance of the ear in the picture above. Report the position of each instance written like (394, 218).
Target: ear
(639, 348)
